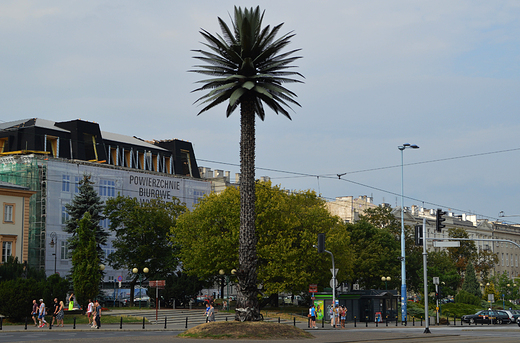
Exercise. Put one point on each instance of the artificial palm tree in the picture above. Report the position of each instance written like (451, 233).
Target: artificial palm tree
(248, 69)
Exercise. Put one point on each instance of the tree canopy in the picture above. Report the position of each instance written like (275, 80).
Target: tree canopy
(287, 226)
(142, 231)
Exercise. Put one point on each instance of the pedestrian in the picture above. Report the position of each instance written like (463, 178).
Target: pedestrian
(342, 315)
(206, 312)
(60, 314)
(331, 314)
(55, 309)
(71, 301)
(312, 312)
(90, 310)
(98, 314)
(34, 313)
(211, 313)
(41, 314)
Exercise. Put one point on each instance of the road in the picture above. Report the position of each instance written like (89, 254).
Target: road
(176, 321)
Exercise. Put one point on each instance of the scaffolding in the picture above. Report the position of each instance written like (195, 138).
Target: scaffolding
(31, 172)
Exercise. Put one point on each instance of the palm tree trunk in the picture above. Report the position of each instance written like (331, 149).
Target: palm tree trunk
(247, 308)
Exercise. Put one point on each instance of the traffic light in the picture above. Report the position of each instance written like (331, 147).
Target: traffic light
(437, 295)
(439, 219)
(321, 242)
(418, 235)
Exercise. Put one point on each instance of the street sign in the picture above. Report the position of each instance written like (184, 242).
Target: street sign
(119, 278)
(435, 280)
(333, 284)
(334, 271)
(313, 288)
(445, 244)
(157, 283)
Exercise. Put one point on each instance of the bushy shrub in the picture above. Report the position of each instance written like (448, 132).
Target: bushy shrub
(464, 297)
(459, 309)
(16, 297)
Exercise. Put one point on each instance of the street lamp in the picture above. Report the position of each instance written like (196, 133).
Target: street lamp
(145, 271)
(403, 253)
(385, 280)
(54, 244)
(225, 281)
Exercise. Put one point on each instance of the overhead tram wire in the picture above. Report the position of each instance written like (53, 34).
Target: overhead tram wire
(339, 176)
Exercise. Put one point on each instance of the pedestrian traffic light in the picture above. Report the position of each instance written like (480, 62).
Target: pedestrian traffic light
(321, 242)
(418, 235)
(437, 295)
(439, 219)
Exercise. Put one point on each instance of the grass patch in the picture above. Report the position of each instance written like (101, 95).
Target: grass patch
(249, 330)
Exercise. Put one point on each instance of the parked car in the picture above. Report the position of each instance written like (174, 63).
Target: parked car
(487, 316)
(512, 315)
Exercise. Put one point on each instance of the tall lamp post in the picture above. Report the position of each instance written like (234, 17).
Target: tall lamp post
(54, 244)
(403, 253)
(145, 271)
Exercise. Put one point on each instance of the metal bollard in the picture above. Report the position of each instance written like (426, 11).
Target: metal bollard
(50, 325)
(366, 321)
(413, 321)
(165, 318)
(354, 321)
(421, 320)
(226, 318)
(143, 323)
(186, 323)
(294, 321)
(25, 323)
(278, 320)
(377, 323)
(121, 323)
(386, 320)
(308, 322)
(1, 322)
(74, 325)
(322, 323)
(396, 320)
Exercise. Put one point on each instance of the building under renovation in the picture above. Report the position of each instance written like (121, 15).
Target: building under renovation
(50, 158)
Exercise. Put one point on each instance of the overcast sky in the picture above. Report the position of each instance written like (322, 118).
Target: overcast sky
(444, 75)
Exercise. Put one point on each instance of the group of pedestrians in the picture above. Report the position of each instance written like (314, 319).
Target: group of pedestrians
(338, 316)
(210, 312)
(39, 312)
(94, 314)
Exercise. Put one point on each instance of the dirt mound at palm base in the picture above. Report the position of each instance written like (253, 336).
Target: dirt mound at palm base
(250, 330)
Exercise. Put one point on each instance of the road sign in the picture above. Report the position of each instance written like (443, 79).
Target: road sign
(334, 271)
(119, 278)
(333, 283)
(157, 283)
(313, 288)
(445, 244)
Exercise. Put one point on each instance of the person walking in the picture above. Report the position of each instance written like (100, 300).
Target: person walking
(98, 314)
(206, 312)
(34, 313)
(211, 313)
(342, 315)
(312, 312)
(60, 314)
(90, 310)
(55, 309)
(41, 314)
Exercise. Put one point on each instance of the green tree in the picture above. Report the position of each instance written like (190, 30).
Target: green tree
(463, 254)
(12, 269)
(442, 266)
(287, 225)
(248, 69)
(376, 255)
(86, 275)
(181, 287)
(484, 263)
(470, 284)
(86, 201)
(142, 232)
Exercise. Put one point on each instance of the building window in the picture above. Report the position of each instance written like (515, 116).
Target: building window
(502, 259)
(76, 184)
(64, 250)
(105, 223)
(65, 183)
(7, 250)
(107, 188)
(9, 213)
(507, 260)
(64, 215)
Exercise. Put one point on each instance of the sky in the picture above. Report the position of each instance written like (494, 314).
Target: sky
(444, 75)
